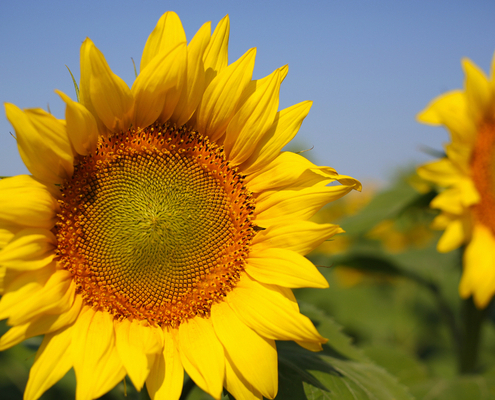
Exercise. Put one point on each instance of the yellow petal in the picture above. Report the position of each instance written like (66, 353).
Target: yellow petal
(96, 362)
(202, 355)
(43, 143)
(22, 286)
(269, 313)
(238, 386)
(167, 34)
(53, 361)
(138, 346)
(112, 374)
(55, 297)
(81, 125)
(285, 268)
(442, 172)
(24, 201)
(457, 198)
(450, 109)
(165, 379)
(285, 126)
(30, 248)
(216, 54)
(300, 204)
(288, 168)
(195, 77)
(456, 233)
(222, 95)
(40, 325)
(259, 105)
(478, 278)
(299, 236)
(156, 89)
(256, 359)
(7, 232)
(478, 91)
(460, 156)
(101, 91)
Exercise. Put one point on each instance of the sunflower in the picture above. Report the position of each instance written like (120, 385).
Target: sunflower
(466, 177)
(162, 228)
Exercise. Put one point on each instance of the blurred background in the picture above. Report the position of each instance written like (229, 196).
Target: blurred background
(369, 66)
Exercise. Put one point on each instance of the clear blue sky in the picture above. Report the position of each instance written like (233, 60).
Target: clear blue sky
(369, 66)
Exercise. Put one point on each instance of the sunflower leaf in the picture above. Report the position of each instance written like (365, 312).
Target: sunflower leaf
(356, 381)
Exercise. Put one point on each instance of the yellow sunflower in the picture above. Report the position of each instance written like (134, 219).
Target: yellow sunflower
(163, 228)
(467, 178)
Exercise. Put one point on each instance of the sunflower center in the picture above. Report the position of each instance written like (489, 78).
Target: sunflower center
(155, 225)
(483, 174)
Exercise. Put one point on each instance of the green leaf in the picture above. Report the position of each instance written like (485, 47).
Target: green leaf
(356, 381)
(474, 387)
(339, 345)
(341, 371)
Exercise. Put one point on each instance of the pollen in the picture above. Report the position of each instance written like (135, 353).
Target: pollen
(483, 175)
(155, 225)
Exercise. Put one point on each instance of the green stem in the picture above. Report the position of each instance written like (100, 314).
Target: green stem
(445, 309)
(472, 323)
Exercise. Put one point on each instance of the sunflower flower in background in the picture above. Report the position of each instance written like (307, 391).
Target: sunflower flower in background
(467, 175)
(162, 228)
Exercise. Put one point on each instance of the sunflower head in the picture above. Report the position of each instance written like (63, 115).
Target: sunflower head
(465, 177)
(163, 227)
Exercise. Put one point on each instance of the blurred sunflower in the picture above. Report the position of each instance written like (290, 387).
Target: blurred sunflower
(467, 176)
(162, 228)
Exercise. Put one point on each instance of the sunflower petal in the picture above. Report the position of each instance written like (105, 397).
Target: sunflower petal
(222, 95)
(478, 278)
(285, 268)
(53, 361)
(167, 34)
(202, 355)
(22, 286)
(156, 89)
(450, 109)
(288, 168)
(30, 248)
(477, 90)
(216, 54)
(254, 117)
(256, 362)
(137, 346)
(96, 363)
(43, 143)
(101, 91)
(195, 77)
(41, 325)
(441, 171)
(456, 233)
(81, 125)
(300, 204)
(165, 379)
(299, 236)
(269, 313)
(285, 126)
(26, 202)
(55, 297)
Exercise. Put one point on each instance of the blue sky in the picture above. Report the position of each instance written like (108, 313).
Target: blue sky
(369, 66)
